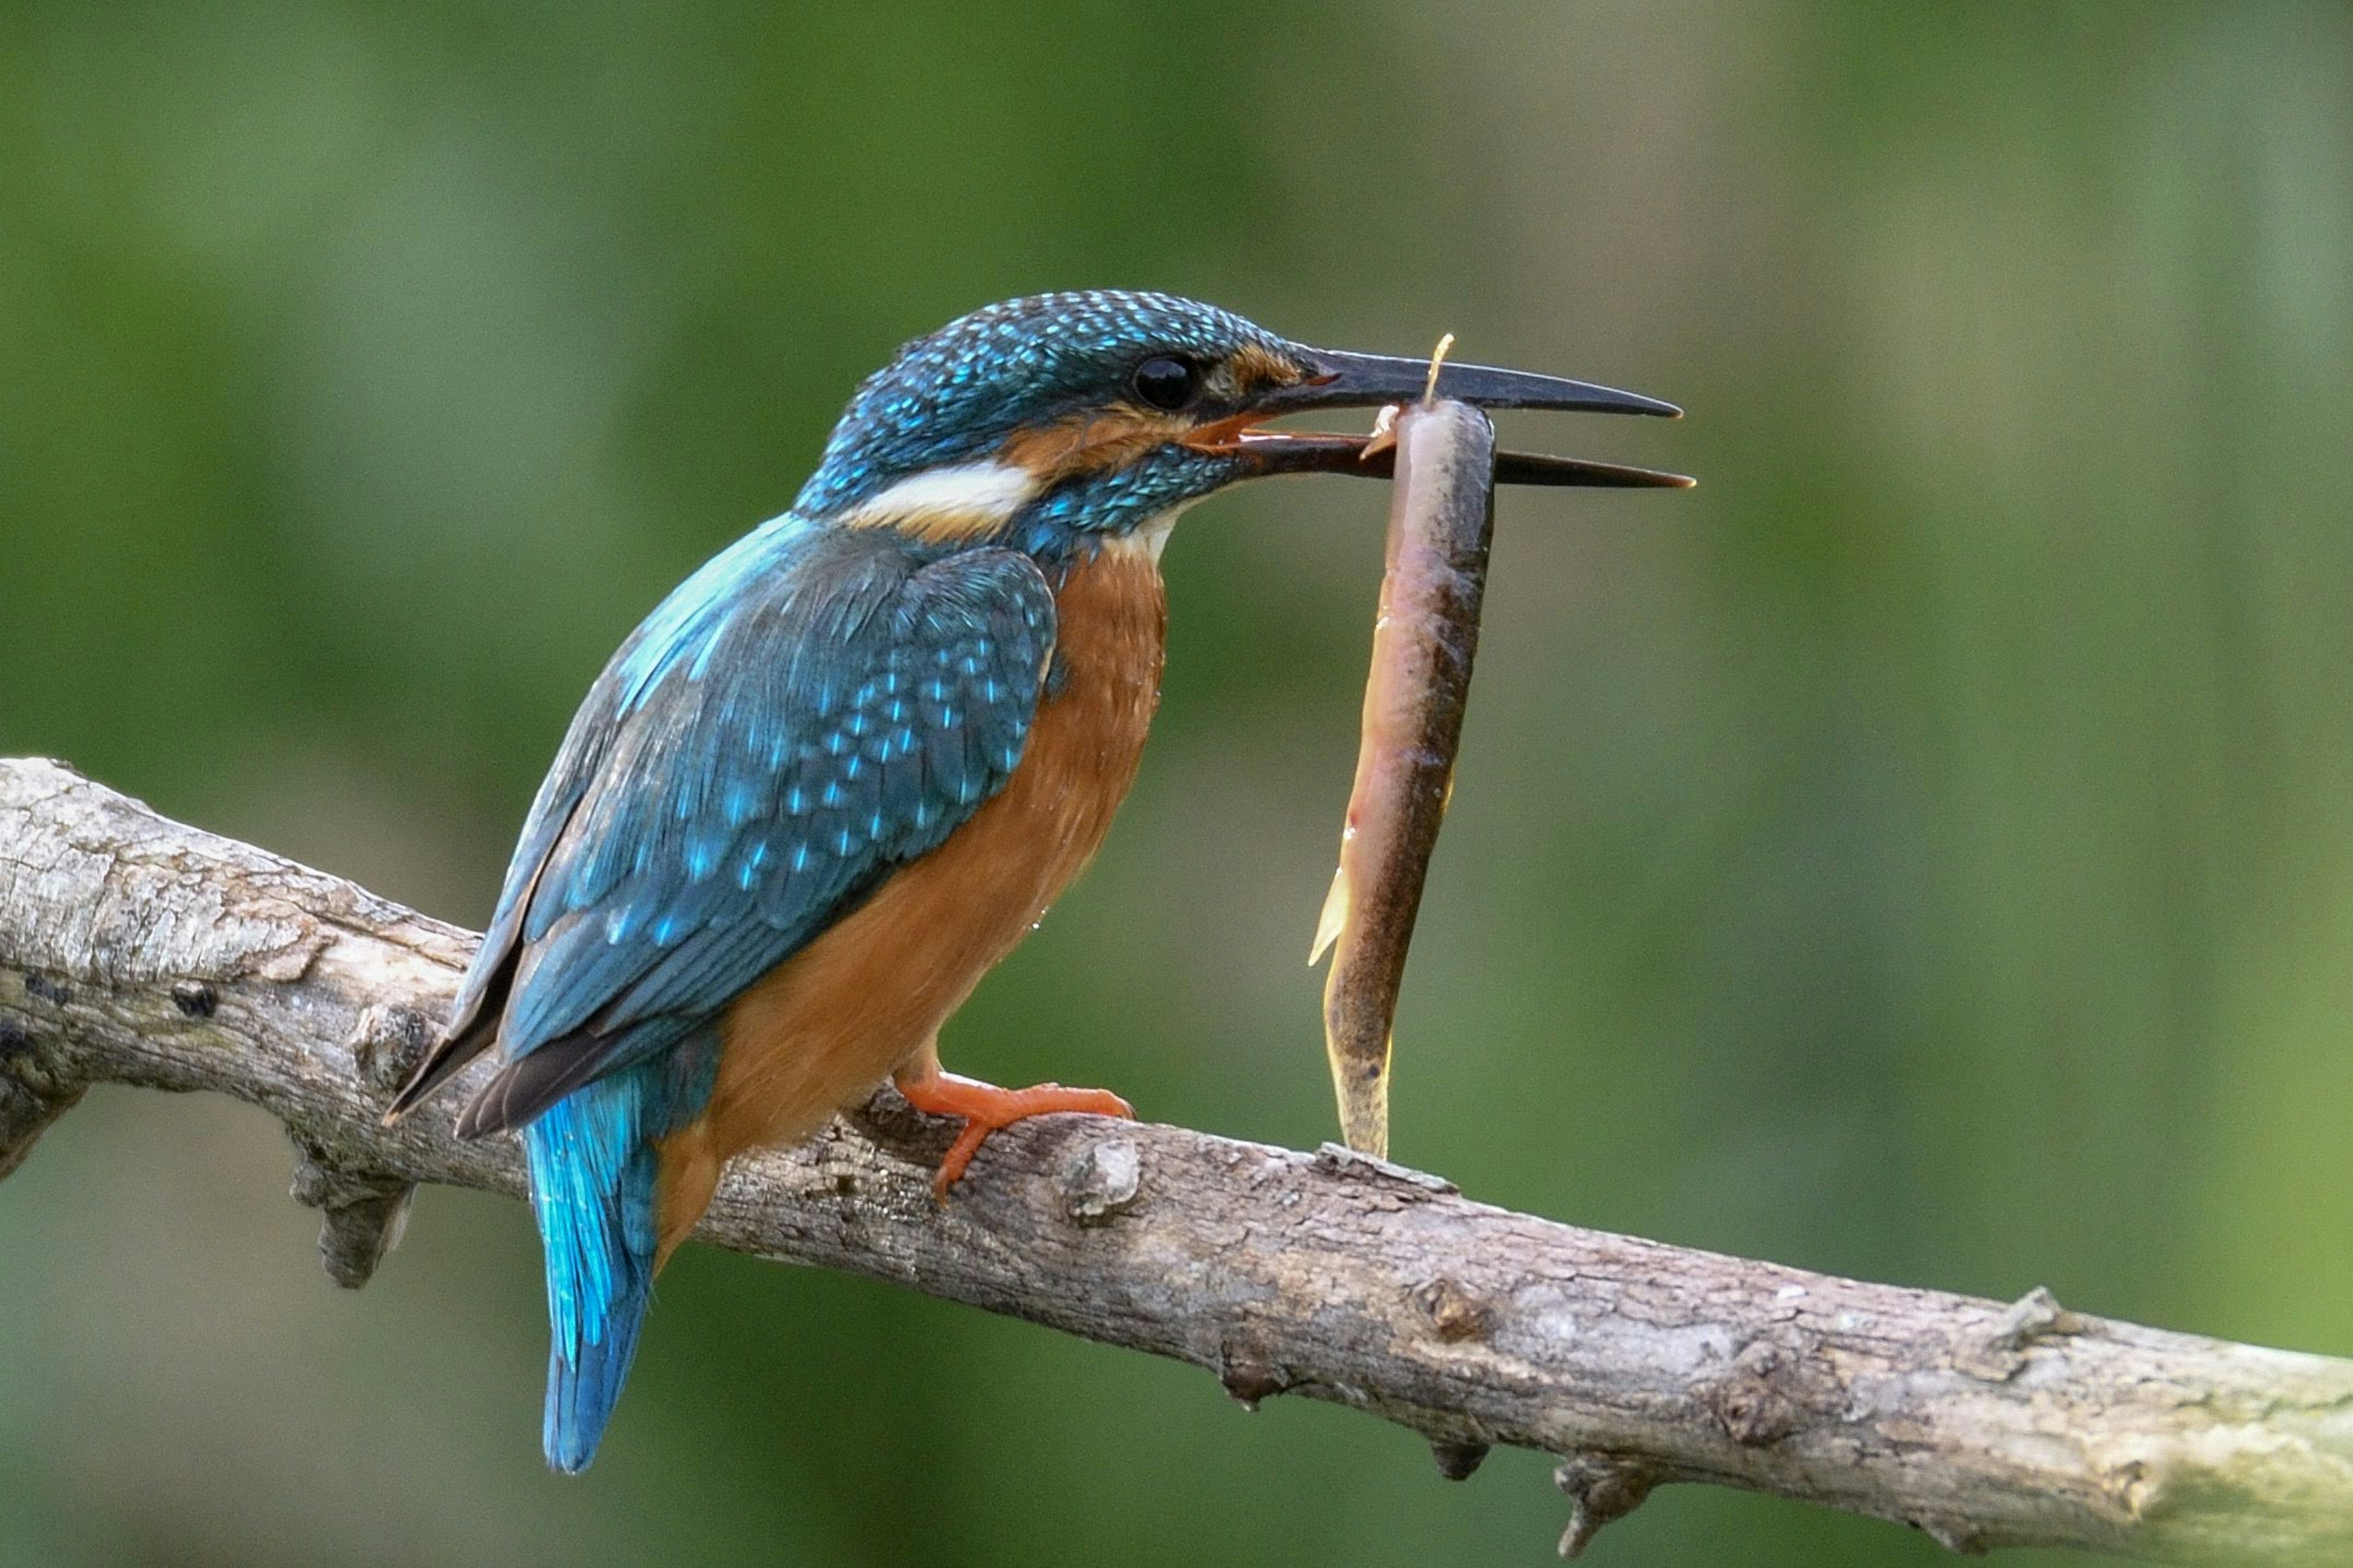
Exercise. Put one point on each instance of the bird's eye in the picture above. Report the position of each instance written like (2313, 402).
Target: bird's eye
(1167, 383)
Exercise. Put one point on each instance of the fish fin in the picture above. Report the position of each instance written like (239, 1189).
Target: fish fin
(1334, 919)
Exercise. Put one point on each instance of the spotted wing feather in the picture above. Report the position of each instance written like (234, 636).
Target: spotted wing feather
(826, 707)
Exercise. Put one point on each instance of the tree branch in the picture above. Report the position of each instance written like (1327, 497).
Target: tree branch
(136, 950)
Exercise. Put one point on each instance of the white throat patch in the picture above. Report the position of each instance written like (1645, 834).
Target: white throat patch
(1151, 538)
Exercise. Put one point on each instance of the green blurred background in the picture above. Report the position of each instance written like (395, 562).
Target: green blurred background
(1925, 851)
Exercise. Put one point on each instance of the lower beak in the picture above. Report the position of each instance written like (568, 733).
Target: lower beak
(1364, 381)
(1301, 452)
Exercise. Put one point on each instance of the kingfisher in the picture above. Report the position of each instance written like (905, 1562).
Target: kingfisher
(844, 767)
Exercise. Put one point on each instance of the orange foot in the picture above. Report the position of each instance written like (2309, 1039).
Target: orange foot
(987, 1107)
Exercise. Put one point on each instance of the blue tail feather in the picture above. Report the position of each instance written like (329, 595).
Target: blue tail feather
(593, 1180)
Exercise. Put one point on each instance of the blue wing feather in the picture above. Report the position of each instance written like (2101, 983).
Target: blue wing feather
(831, 706)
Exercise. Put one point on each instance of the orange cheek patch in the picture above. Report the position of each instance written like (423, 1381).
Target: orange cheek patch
(1088, 443)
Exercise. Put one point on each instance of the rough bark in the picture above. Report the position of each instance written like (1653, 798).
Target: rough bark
(133, 950)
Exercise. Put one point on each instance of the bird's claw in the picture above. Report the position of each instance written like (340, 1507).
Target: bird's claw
(987, 1108)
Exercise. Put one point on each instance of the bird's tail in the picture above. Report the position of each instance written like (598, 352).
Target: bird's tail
(594, 1175)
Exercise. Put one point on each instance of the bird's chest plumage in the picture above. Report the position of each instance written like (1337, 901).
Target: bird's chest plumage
(842, 1012)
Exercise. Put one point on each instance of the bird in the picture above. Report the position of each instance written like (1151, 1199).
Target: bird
(841, 770)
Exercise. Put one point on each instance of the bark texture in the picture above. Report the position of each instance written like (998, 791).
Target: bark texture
(134, 950)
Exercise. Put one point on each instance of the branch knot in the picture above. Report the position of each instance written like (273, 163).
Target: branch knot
(389, 1044)
(1771, 1392)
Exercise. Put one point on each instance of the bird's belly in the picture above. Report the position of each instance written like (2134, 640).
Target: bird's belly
(832, 1021)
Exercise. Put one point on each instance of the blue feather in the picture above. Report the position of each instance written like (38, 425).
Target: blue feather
(594, 1173)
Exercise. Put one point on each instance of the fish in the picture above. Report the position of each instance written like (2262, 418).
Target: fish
(1425, 638)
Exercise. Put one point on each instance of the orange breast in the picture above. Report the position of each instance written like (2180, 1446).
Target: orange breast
(834, 1020)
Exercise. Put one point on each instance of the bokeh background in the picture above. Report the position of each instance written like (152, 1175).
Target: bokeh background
(1925, 851)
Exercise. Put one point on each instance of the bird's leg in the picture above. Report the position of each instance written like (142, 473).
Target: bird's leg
(987, 1107)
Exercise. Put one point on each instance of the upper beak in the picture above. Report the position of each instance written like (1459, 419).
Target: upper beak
(1366, 381)
(1362, 381)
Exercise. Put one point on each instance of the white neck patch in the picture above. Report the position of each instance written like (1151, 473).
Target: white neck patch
(951, 500)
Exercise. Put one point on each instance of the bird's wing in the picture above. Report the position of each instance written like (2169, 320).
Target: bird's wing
(810, 711)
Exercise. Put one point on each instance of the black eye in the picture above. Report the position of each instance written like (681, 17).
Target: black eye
(1167, 383)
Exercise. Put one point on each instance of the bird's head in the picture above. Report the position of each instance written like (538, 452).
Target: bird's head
(1060, 421)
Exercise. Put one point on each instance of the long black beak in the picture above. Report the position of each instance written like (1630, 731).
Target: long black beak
(1364, 381)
